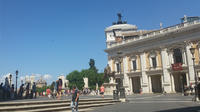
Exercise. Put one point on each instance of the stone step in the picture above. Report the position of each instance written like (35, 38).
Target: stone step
(60, 109)
(9, 103)
(51, 105)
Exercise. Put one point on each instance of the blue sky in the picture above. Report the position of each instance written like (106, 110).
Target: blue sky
(58, 36)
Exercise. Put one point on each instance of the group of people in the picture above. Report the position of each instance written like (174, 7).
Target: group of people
(25, 91)
(7, 90)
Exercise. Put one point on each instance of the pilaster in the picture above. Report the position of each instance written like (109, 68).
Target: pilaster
(190, 63)
(166, 75)
(144, 84)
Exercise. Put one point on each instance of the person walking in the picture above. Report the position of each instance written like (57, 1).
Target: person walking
(27, 90)
(12, 92)
(34, 90)
(21, 91)
(102, 90)
(75, 99)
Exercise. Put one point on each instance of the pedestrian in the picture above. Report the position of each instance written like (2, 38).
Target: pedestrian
(21, 91)
(27, 90)
(48, 91)
(34, 90)
(59, 88)
(1, 91)
(12, 92)
(102, 90)
(75, 99)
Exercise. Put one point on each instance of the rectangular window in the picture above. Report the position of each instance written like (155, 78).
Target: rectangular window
(134, 65)
(118, 67)
(154, 64)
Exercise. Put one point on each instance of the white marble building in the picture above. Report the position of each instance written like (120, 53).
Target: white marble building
(154, 61)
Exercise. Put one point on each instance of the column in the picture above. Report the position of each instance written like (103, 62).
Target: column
(187, 79)
(184, 56)
(131, 85)
(125, 69)
(150, 85)
(171, 58)
(144, 85)
(166, 76)
(172, 83)
(190, 63)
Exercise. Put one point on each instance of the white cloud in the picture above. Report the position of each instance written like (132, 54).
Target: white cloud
(22, 78)
(4, 76)
(37, 75)
(47, 76)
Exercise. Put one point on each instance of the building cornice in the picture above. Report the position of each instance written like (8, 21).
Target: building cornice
(159, 41)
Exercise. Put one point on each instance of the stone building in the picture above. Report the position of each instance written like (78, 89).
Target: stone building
(154, 61)
(40, 83)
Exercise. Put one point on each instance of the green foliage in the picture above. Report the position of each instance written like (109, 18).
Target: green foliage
(41, 89)
(75, 79)
(44, 88)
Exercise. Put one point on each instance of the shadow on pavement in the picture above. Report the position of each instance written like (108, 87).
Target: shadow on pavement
(186, 109)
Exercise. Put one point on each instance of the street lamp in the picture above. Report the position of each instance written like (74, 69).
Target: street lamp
(192, 50)
(10, 79)
(16, 82)
(121, 88)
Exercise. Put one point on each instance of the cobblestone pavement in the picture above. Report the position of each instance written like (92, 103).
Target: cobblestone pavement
(153, 103)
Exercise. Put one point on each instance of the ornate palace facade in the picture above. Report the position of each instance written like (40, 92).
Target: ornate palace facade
(154, 61)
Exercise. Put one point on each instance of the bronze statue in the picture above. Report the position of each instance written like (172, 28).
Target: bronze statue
(108, 73)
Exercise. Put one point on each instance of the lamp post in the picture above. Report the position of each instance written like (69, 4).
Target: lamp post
(10, 79)
(121, 88)
(16, 82)
(192, 50)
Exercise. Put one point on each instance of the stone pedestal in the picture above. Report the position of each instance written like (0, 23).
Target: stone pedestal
(109, 87)
(85, 79)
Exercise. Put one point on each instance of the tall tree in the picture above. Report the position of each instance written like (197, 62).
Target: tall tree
(75, 79)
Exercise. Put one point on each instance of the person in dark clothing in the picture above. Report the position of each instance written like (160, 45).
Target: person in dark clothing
(12, 92)
(27, 90)
(21, 91)
(34, 90)
(1, 91)
(75, 99)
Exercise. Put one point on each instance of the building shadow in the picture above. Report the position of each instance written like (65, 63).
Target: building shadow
(186, 109)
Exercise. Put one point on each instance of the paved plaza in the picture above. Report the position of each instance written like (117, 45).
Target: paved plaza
(153, 103)
(140, 103)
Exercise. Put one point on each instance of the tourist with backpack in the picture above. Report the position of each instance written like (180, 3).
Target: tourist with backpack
(75, 99)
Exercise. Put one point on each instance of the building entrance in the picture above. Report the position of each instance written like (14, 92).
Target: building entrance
(179, 82)
(156, 84)
(136, 84)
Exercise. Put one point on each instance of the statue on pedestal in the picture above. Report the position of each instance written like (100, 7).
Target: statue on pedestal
(108, 74)
(109, 78)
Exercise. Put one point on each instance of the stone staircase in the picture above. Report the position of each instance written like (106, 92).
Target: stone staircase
(53, 105)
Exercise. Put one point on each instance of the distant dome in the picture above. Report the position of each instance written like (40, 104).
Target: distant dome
(121, 27)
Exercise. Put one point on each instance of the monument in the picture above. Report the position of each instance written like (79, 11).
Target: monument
(64, 81)
(111, 85)
(85, 79)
